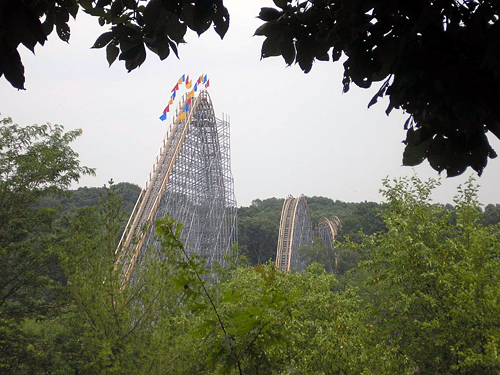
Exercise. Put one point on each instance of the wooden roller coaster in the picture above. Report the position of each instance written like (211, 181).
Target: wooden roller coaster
(296, 232)
(191, 182)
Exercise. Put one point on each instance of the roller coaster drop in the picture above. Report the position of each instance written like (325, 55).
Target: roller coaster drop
(191, 181)
(296, 231)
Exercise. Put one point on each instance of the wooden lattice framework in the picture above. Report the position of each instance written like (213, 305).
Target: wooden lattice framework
(191, 181)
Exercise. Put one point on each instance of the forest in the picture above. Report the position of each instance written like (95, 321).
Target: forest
(417, 292)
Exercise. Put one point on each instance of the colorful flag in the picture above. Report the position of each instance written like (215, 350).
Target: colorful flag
(180, 81)
(198, 81)
(189, 84)
(171, 101)
(195, 86)
(207, 84)
(166, 109)
(205, 79)
(186, 109)
(190, 94)
(189, 100)
(182, 116)
(173, 96)
(175, 88)
(163, 117)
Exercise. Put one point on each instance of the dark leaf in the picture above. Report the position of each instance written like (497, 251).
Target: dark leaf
(73, 9)
(323, 57)
(269, 14)
(130, 4)
(103, 39)
(336, 54)
(414, 155)
(269, 29)
(96, 12)
(436, 153)
(129, 52)
(305, 54)
(134, 56)
(281, 3)
(117, 7)
(271, 47)
(152, 11)
(48, 24)
(203, 13)
(288, 50)
(161, 47)
(19, 24)
(103, 3)
(63, 31)
(221, 21)
(13, 70)
(112, 52)
(176, 29)
(176, 6)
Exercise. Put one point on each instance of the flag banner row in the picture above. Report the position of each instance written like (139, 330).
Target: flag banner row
(202, 80)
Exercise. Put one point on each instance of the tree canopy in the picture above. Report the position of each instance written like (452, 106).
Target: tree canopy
(438, 60)
(423, 299)
(134, 25)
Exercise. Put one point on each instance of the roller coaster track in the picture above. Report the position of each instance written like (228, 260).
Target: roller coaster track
(295, 232)
(327, 230)
(191, 182)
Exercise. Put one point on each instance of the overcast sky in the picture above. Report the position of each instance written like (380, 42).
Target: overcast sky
(291, 133)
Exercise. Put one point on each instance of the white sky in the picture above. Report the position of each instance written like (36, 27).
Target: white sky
(291, 133)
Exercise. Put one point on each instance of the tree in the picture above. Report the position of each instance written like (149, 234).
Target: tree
(35, 161)
(135, 24)
(436, 281)
(119, 330)
(258, 236)
(258, 227)
(439, 61)
(335, 258)
(491, 215)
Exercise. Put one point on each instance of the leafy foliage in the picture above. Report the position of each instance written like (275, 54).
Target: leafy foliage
(82, 197)
(438, 61)
(35, 161)
(135, 25)
(258, 227)
(425, 298)
(436, 294)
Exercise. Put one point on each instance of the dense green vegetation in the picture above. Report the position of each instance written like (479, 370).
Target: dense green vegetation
(423, 298)
(258, 224)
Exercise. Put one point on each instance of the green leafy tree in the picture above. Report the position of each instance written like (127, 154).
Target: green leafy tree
(258, 228)
(337, 259)
(491, 214)
(35, 161)
(258, 236)
(439, 61)
(135, 25)
(120, 330)
(436, 281)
